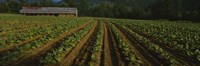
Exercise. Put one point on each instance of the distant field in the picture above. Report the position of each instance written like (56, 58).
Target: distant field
(86, 41)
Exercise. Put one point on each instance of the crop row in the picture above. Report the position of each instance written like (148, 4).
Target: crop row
(125, 49)
(97, 47)
(146, 31)
(14, 55)
(16, 37)
(56, 55)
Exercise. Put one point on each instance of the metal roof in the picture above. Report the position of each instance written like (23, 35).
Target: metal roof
(48, 10)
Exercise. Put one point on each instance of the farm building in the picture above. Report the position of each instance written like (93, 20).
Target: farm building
(51, 11)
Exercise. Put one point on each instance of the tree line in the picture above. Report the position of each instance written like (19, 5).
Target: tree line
(157, 9)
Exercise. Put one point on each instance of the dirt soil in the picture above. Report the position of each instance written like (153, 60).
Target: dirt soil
(46, 47)
(68, 60)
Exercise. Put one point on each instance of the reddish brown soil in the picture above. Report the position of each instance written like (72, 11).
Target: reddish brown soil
(68, 60)
(84, 56)
(46, 47)
(181, 58)
(98, 54)
(155, 59)
(111, 55)
(106, 49)
(134, 49)
(150, 56)
(119, 59)
(14, 46)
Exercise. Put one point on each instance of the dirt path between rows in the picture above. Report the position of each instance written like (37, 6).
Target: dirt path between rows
(14, 46)
(68, 60)
(84, 56)
(117, 57)
(151, 56)
(106, 49)
(134, 49)
(98, 55)
(46, 47)
(183, 59)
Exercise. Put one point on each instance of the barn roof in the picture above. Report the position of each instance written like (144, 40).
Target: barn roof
(48, 10)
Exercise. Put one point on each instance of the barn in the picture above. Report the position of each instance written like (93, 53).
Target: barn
(50, 11)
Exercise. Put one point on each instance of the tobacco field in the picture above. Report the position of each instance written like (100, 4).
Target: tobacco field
(90, 41)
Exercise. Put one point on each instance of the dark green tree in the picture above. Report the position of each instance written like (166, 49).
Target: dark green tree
(63, 4)
(105, 9)
(11, 6)
(72, 3)
(163, 9)
(46, 3)
(83, 7)
(4, 7)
